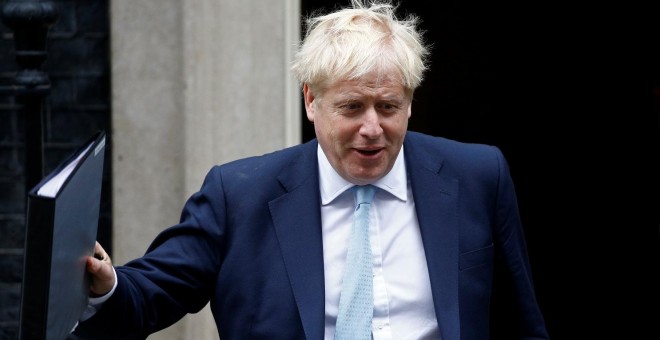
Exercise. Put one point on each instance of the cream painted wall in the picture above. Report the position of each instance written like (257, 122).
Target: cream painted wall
(195, 83)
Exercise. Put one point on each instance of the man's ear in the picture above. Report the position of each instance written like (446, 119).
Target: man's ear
(309, 97)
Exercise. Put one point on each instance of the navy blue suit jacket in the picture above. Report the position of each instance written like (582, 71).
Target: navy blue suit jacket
(250, 243)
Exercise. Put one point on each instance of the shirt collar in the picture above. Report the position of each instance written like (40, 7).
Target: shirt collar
(333, 185)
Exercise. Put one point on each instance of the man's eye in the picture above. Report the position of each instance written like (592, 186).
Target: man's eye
(387, 107)
(351, 106)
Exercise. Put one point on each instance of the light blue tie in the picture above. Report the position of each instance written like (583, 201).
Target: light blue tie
(356, 301)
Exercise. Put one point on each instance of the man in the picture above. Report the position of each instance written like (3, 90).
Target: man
(266, 239)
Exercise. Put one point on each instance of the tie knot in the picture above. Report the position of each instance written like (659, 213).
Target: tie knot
(364, 194)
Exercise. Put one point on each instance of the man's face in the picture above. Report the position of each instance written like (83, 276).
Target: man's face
(360, 124)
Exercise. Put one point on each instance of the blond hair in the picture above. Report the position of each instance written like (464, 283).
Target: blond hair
(353, 41)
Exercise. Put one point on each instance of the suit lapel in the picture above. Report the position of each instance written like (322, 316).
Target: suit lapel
(436, 202)
(297, 220)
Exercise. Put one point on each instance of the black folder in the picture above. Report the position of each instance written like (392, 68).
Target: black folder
(62, 222)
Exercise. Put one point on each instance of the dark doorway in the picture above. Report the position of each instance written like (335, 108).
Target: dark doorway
(567, 93)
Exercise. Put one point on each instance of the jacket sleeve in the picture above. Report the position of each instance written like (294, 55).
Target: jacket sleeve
(514, 307)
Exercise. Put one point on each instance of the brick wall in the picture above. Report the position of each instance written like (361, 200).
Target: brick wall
(78, 105)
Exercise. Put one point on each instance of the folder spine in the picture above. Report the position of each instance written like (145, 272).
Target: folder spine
(34, 306)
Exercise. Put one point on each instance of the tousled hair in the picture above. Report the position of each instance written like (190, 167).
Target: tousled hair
(353, 41)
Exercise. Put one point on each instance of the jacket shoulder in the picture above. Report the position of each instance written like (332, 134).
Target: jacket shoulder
(460, 154)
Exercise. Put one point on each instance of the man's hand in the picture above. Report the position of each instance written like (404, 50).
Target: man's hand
(101, 273)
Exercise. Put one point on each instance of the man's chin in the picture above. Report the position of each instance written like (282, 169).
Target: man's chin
(363, 178)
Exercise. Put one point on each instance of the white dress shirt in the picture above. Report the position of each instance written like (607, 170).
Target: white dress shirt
(403, 304)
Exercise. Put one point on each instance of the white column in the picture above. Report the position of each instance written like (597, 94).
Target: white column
(240, 99)
(194, 83)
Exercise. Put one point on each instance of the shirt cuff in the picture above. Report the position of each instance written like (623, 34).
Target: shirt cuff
(95, 303)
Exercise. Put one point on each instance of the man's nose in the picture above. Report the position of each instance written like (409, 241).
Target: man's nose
(371, 124)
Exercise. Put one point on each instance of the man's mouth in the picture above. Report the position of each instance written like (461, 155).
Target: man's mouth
(368, 152)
